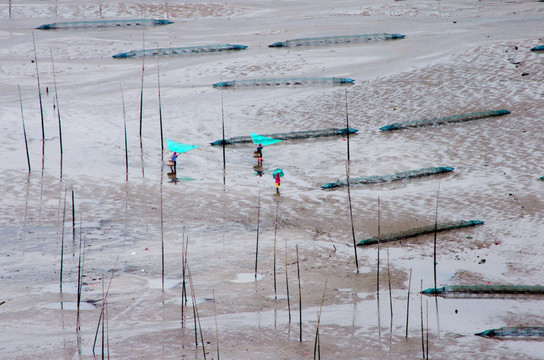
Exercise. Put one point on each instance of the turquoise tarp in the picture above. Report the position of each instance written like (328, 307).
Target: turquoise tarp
(263, 140)
(178, 147)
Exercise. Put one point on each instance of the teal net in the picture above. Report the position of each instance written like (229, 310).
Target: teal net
(387, 178)
(263, 140)
(104, 23)
(178, 147)
(288, 135)
(420, 231)
(179, 51)
(343, 39)
(514, 331)
(445, 120)
(297, 81)
(486, 289)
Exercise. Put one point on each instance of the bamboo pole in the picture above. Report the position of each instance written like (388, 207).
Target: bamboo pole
(347, 124)
(317, 345)
(108, 329)
(184, 247)
(351, 218)
(62, 240)
(142, 87)
(421, 305)
(195, 313)
(162, 231)
(58, 111)
(258, 226)
(378, 272)
(160, 106)
(73, 218)
(39, 88)
(182, 279)
(103, 328)
(287, 283)
(435, 231)
(223, 137)
(299, 297)
(408, 302)
(216, 330)
(24, 129)
(378, 260)
(79, 281)
(390, 292)
(103, 307)
(193, 299)
(275, 233)
(435, 262)
(125, 129)
(427, 321)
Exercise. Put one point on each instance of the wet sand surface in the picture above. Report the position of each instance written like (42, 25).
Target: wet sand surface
(458, 57)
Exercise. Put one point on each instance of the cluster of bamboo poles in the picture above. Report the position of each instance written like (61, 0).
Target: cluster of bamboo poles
(187, 281)
(56, 106)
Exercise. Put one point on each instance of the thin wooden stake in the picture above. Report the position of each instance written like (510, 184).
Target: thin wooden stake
(435, 231)
(125, 129)
(287, 283)
(39, 88)
(162, 232)
(195, 312)
(24, 128)
(62, 240)
(73, 218)
(103, 307)
(408, 302)
(103, 327)
(142, 88)
(421, 304)
(216, 330)
(108, 329)
(317, 345)
(390, 292)
(378, 260)
(347, 125)
(79, 280)
(378, 272)
(184, 248)
(427, 320)
(351, 218)
(299, 297)
(258, 225)
(160, 106)
(275, 233)
(435, 263)
(223, 134)
(58, 111)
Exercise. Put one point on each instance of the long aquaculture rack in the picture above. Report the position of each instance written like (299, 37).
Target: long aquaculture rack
(343, 39)
(387, 178)
(420, 231)
(297, 81)
(288, 135)
(514, 331)
(444, 120)
(104, 23)
(179, 50)
(486, 289)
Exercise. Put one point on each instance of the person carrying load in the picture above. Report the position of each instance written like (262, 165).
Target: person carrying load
(259, 154)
